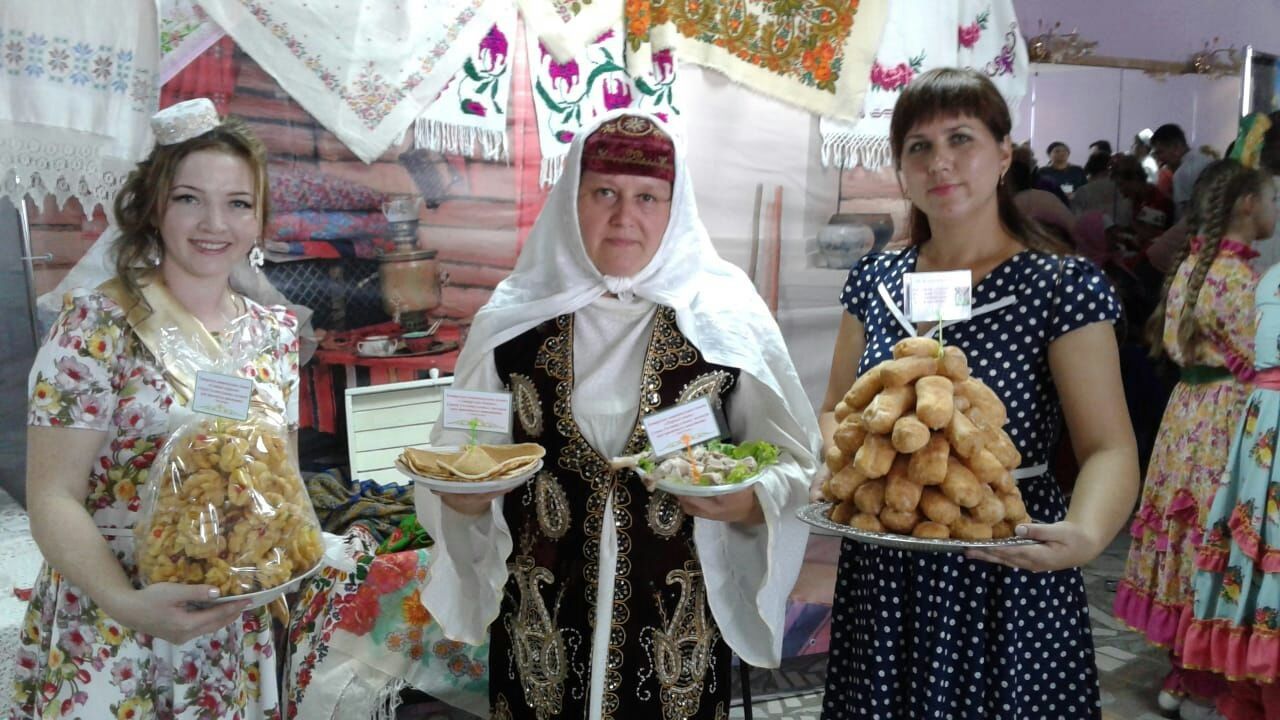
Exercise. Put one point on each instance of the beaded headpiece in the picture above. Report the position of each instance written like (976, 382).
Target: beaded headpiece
(183, 121)
(630, 145)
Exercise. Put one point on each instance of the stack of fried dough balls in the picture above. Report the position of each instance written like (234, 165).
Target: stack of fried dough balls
(921, 450)
(228, 509)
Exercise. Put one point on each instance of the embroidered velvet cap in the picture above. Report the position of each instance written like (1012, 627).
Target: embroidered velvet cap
(630, 145)
(183, 121)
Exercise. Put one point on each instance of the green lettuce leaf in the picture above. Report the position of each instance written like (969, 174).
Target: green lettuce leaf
(764, 453)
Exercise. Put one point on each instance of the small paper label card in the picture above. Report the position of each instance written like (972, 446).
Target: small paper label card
(690, 423)
(938, 296)
(222, 395)
(472, 409)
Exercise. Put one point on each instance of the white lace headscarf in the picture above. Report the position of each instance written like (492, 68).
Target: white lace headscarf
(717, 308)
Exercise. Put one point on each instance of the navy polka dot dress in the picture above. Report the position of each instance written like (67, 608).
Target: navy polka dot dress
(918, 635)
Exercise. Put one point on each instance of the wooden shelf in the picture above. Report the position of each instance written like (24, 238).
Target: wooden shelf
(1154, 67)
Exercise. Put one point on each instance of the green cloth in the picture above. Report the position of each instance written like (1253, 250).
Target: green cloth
(1203, 374)
(409, 536)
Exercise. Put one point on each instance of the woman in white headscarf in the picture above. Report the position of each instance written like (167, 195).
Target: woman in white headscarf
(611, 601)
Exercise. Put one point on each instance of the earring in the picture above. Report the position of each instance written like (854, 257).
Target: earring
(257, 258)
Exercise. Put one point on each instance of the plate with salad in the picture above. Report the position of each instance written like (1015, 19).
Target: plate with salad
(714, 468)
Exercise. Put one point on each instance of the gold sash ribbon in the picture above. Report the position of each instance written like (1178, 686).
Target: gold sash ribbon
(154, 314)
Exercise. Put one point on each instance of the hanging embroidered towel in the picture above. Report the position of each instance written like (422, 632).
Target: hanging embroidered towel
(919, 36)
(814, 54)
(989, 39)
(77, 90)
(473, 108)
(566, 27)
(568, 95)
(185, 33)
(365, 69)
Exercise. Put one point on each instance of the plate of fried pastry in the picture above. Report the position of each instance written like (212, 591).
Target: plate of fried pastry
(472, 469)
(920, 459)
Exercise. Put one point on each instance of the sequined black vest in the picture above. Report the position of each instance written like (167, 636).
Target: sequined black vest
(666, 659)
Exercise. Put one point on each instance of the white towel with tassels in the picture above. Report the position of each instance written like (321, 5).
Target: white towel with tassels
(919, 36)
(470, 115)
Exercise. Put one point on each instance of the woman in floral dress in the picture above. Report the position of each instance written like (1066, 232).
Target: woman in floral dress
(1232, 625)
(1207, 330)
(94, 644)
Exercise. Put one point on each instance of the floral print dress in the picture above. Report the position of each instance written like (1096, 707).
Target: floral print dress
(1233, 625)
(74, 660)
(1192, 445)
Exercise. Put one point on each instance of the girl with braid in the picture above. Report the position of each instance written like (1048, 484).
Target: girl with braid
(1206, 325)
(1231, 626)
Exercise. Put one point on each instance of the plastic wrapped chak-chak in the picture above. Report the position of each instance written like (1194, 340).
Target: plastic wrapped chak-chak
(224, 505)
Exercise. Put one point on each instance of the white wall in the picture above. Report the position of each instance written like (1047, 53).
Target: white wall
(1078, 105)
(1158, 29)
(738, 139)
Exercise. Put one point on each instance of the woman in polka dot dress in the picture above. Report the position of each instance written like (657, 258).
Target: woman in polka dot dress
(998, 634)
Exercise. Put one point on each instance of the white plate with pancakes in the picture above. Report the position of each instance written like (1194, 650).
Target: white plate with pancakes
(473, 470)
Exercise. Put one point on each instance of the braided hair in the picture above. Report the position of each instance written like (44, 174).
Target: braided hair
(1213, 202)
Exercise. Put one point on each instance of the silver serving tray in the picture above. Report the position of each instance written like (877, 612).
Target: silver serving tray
(818, 515)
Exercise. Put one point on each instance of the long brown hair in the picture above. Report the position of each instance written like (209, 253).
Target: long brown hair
(951, 92)
(142, 200)
(1213, 201)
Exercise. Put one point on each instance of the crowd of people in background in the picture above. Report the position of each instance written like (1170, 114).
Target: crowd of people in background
(1174, 228)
